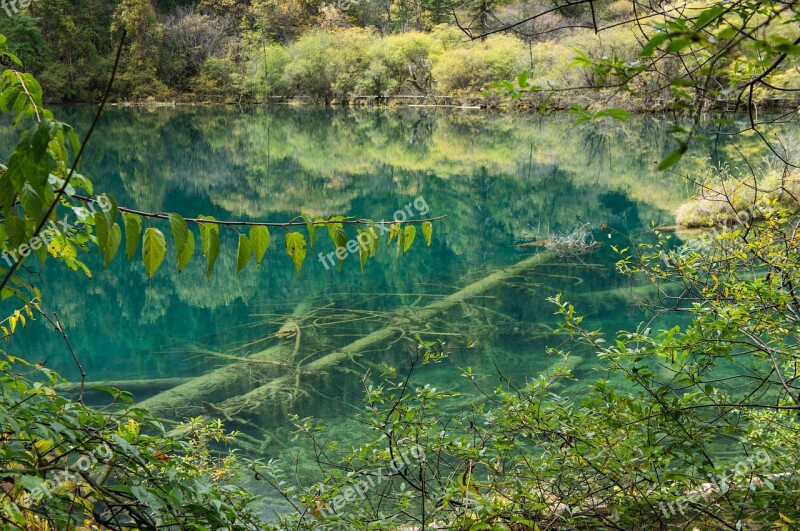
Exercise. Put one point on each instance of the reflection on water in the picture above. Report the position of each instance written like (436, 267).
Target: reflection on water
(499, 179)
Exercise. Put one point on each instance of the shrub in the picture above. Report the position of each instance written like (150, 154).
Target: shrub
(473, 67)
(266, 70)
(308, 72)
(66, 465)
(402, 62)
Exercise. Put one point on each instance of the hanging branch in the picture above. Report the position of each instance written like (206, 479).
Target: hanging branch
(228, 223)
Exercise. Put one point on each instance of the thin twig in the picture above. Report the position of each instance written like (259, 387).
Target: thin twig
(60, 329)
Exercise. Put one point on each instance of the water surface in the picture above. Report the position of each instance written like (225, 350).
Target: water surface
(499, 179)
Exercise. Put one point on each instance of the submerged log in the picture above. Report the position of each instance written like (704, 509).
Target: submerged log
(267, 400)
(188, 398)
(133, 386)
(218, 384)
(228, 393)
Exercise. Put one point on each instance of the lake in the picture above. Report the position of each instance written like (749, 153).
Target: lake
(501, 179)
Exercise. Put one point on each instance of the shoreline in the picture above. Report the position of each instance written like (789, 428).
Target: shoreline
(497, 104)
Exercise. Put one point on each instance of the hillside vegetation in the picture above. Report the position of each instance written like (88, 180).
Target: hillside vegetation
(368, 51)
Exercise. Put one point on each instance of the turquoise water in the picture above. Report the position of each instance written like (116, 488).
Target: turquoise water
(499, 179)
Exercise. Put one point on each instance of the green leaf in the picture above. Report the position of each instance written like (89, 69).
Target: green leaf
(427, 232)
(114, 239)
(708, 15)
(81, 181)
(296, 249)
(243, 253)
(310, 226)
(654, 42)
(617, 114)
(103, 220)
(394, 230)
(334, 222)
(364, 245)
(376, 241)
(188, 251)
(212, 249)
(340, 240)
(31, 201)
(7, 193)
(259, 240)
(110, 209)
(678, 45)
(522, 79)
(581, 60)
(673, 158)
(409, 233)
(101, 231)
(133, 227)
(401, 238)
(180, 231)
(154, 248)
(204, 229)
(17, 231)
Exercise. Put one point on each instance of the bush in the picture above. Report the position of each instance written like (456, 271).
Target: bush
(349, 60)
(189, 40)
(472, 67)
(693, 422)
(401, 63)
(308, 72)
(215, 78)
(266, 71)
(66, 465)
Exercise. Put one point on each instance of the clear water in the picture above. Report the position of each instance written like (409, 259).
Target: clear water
(499, 179)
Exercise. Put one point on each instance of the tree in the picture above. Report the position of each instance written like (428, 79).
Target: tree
(137, 19)
(709, 57)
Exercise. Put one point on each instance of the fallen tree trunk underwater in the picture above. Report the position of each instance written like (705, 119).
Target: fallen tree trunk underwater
(149, 386)
(273, 398)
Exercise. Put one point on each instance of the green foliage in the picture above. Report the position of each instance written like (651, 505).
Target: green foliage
(68, 466)
(259, 240)
(265, 70)
(138, 76)
(296, 249)
(726, 198)
(154, 249)
(310, 71)
(471, 68)
(401, 63)
(682, 422)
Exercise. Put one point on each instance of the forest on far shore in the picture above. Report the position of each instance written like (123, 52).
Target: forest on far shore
(361, 51)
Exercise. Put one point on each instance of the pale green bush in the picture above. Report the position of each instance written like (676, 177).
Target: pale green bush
(309, 72)
(266, 70)
(350, 59)
(400, 64)
(472, 67)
